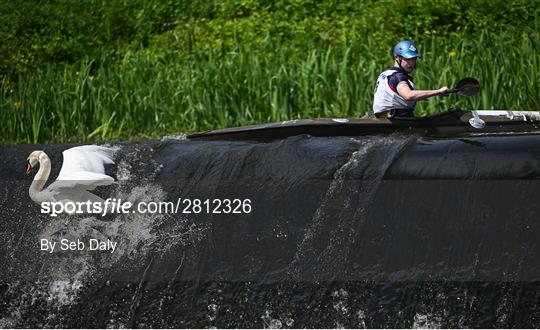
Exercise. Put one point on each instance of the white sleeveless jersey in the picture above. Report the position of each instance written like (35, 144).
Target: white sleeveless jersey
(386, 98)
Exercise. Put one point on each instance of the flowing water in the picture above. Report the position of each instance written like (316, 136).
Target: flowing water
(375, 231)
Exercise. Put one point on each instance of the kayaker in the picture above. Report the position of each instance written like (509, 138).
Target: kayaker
(395, 94)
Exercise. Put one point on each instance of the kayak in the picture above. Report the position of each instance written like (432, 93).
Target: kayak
(453, 122)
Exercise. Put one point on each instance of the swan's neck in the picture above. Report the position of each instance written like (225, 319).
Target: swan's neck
(42, 175)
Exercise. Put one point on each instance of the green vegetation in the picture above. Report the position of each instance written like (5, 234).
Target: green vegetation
(102, 70)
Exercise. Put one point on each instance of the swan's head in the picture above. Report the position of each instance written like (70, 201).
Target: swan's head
(32, 160)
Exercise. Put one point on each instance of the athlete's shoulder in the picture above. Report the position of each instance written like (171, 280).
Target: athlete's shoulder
(386, 73)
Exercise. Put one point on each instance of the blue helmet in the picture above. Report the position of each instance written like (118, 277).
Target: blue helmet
(405, 49)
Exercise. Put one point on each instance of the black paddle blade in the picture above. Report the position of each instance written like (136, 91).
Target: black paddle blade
(468, 87)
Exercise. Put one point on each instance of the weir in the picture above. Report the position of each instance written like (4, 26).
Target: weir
(382, 230)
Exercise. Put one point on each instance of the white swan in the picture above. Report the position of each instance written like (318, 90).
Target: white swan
(82, 170)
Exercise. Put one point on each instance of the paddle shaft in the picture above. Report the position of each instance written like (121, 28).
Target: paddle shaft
(450, 91)
(465, 87)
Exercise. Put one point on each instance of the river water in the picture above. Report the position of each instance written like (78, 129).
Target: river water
(374, 231)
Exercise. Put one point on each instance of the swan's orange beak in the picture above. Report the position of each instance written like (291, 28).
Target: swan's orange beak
(27, 167)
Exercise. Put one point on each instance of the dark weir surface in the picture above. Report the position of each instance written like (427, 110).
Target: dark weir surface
(381, 230)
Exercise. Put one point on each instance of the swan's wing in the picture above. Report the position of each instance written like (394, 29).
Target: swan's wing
(79, 162)
(83, 169)
(80, 181)
(82, 196)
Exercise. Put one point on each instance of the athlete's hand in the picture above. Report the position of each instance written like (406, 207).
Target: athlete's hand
(443, 91)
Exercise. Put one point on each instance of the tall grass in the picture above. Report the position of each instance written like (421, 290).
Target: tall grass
(148, 96)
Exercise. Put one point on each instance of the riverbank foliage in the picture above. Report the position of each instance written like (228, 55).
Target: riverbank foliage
(105, 70)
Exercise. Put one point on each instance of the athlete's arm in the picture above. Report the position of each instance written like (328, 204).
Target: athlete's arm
(416, 95)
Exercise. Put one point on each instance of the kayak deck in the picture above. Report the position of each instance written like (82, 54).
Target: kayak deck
(452, 122)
